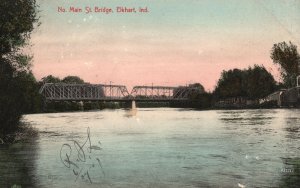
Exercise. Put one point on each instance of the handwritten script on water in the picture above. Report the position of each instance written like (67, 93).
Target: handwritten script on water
(81, 158)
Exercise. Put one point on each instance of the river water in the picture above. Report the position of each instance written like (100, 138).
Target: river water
(157, 147)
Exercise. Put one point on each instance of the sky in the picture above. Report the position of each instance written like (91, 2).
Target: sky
(175, 43)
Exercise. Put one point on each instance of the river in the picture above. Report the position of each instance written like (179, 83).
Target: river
(157, 147)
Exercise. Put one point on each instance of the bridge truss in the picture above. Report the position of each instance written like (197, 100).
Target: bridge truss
(83, 92)
(100, 92)
(152, 92)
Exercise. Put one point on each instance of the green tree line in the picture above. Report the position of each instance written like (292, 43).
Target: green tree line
(18, 89)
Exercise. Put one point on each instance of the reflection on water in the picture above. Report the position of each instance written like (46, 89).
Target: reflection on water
(132, 111)
(17, 164)
(293, 127)
(161, 147)
(247, 117)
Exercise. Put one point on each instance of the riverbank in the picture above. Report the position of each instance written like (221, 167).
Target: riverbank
(24, 132)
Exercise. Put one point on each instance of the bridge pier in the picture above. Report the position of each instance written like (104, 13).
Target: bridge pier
(81, 105)
(133, 105)
(130, 104)
(132, 110)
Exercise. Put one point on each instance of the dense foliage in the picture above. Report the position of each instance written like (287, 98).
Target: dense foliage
(67, 79)
(50, 79)
(287, 57)
(73, 80)
(251, 83)
(18, 90)
(231, 84)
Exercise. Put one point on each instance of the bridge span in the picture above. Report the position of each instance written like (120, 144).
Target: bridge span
(114, 93)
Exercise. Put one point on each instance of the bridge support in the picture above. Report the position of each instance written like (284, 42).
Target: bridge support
(133, 105)
(132, 110)
(130, 104)
(81, 105)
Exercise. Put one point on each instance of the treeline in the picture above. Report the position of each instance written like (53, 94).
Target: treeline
(238, 88)
(18, 89)
(243, 88)
(235, 85)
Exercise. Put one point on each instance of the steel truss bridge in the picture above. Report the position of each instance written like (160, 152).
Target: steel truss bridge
(117, 93)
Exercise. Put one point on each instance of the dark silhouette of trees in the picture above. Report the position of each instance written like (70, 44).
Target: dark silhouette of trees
(73, 80)
(258, 82)
(17, 84)
(67, 79)
(231, 84)
(198, 86)
(16, 23)
(198, 89)
(252, 83)
(287, 57)
(51, 79)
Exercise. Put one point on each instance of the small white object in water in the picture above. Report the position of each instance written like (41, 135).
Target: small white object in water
(241, 185)
(1, 141)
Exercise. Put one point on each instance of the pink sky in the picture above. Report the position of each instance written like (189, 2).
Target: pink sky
(163, 47)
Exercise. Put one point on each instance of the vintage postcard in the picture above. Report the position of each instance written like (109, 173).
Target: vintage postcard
(150, 93)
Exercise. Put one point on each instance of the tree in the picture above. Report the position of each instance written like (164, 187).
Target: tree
(18, 19)
(51, 79)
(231, 84)
(32, 101)
(252, 83)
(16, 23)
(73, 80)
(258, 82)
(287, 56)
(196, 90)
